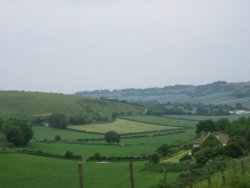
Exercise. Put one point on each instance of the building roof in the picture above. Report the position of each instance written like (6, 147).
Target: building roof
(222, 138)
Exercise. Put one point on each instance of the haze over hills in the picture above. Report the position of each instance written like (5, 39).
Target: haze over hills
(219, 92)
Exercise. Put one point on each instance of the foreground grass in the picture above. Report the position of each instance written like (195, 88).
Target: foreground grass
(163, 121)
(120, 126)
(26, 171)
(231, 181)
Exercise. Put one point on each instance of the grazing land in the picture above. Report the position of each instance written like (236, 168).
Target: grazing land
(128, 147)
(20, 170)
(186, 123)
(200, 118)
(42, 132)
(121, 126)
(34, 104)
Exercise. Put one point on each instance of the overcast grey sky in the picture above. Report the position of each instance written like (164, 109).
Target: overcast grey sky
(71, 45)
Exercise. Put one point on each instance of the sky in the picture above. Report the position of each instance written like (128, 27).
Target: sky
(73, 45)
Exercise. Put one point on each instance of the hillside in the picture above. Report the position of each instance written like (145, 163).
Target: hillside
(34, 104)
(215, 93)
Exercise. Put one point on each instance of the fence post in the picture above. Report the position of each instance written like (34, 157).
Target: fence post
(222, 174)
(190, 176)
(242, 167)
(234, 170)
(208, 176)
(165, 175)
(80, 172)
(131, 174)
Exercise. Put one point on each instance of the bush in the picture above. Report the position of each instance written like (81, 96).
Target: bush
(58, 121)
(57, 138)
(233, 150)
(47, 154)
(154, 158)
(185, 158)
(17, 132)
(112, 137)
(68, 154)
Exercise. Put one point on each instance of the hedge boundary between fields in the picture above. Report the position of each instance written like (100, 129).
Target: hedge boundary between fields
(51, 155)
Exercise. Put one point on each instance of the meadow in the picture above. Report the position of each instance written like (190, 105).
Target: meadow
(27, 171)
(200, 118)
(42, 132)
(167, 121)
(121, 126)
(37, 171)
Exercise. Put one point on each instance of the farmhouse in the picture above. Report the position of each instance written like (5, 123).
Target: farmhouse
(222, 138)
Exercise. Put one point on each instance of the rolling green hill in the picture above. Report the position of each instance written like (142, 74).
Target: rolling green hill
(215, 93)
(34, 104)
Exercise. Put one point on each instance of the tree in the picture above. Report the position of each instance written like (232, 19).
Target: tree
(112, 137)
(17, 132)
(233, 150)
(206, 126)
(58, 121)
(57, 138)
(154, 158)
(164, 150)
(223, 124)
(68, 154)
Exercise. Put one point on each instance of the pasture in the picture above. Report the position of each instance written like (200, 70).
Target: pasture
(42, 132)
(128, 147)
(167, 121)
(200, 118)
(121, 126)
(27, 171)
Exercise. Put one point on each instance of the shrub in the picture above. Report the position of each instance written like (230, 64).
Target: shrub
(57, 138)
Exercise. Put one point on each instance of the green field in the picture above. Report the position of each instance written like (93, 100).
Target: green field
(200, 118)
(128, 147)
(120, 126)
(42, 132)
(164, 121)
(35, 104)
(27, 171)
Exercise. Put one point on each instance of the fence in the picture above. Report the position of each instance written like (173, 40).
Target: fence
(222, 176)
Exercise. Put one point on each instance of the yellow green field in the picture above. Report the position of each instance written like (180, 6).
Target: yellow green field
(121, 126)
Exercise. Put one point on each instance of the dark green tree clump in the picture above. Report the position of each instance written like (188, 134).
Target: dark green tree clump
(112, 137)
(58, 121)
(164, 150)
(17, 131)
(57, 138)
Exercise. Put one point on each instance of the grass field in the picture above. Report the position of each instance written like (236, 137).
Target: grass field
(163, 121)
(41, 132)
(200, 118)
(36, 104)
(120, 126)
(26, 171)
(130, 147)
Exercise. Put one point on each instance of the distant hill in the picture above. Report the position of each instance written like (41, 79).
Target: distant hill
(215, 93)
(35, 104)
